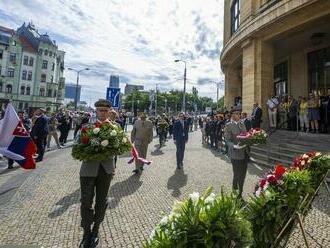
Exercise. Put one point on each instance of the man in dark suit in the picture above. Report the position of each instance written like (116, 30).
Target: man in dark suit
(39, 132)
(95, 178)
(246, 121)
(293, 113)
(256, 116)
(180, 137)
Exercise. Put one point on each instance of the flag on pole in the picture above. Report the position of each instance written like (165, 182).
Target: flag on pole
(136, 157)
(15, 142)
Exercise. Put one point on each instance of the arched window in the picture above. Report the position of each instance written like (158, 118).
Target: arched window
(9, 88)
(22, 90)
(55, 93)
(28, 89)
(42, 92)
(1, 85)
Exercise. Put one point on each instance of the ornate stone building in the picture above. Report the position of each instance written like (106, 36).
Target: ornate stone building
(31, 68)
(275, 47)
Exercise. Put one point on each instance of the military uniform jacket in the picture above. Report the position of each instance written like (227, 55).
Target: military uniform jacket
(142, 133)
(90, 168)
(233, 129)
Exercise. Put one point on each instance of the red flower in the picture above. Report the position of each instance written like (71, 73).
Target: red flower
(311, 154)
(84, 129)
(296, 162)
(98, 124)
(257, 129)
(272, 180)
(262, 183)
(85, 139)
(279, 172)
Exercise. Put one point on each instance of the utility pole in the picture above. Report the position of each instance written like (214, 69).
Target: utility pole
(184, 84)
(156, 100)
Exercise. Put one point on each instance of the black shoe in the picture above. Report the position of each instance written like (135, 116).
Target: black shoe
(141, 168)
(94, 241)
(178, 167)
(10, 167)
(86, 241)
(136, 171)
(38, 160)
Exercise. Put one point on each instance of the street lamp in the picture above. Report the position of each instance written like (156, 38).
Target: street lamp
(76, 96)
(165, 105)
(184, 84)
(218, 84)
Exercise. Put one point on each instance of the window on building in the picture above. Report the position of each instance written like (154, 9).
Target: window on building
(281, 78)
(1, 53)
(49, 93)
(319, 71)
(22, 90)
(14, 43)
(0, 70)
(235, 14)
(24, 73)
(9, 88)
(26, 60)
(55, 93)
(1, 85)
(43, 78)
(42, 92)
(29, 77)
(31, 61)
(12, 57)
(53, 66)
(28, 90)
(51, 79)
(20, 106)
(46, 52)
(44, 64)
(10, 72)
(26, 106)
(50, 53)
(40, 51)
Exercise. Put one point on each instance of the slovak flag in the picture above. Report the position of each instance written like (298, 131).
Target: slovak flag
(15, 142)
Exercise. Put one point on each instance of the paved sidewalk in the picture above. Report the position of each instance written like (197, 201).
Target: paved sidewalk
(44, 209)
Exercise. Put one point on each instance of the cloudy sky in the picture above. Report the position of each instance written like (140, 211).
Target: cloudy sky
(136, 39)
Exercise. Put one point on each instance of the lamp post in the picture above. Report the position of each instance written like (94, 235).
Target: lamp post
(184, 84)
(218, 84)
(165, 105)
(76, 96)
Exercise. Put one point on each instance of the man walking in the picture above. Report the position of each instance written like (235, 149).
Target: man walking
(141, 136)
(237, 154)
(180, 137)
(95, 178)
(39, 132)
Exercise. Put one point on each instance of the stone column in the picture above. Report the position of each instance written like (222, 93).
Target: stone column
(233, 85)
(257, 79)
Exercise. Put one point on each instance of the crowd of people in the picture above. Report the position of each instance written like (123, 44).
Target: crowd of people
(46, 126)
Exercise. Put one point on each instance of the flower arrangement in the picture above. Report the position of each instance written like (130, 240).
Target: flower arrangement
(99, 141)
(281, 192)
(211, 220)
(253, 136)
(204, 220)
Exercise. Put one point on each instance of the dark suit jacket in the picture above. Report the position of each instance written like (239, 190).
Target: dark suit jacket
(247, 124)
(293, 109)
(40, 127)
(180, 134)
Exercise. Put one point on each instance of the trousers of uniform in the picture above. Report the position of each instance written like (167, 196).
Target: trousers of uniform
(272, 118)
(142, 151)
(90, 186)
(55, 136)
(239, 170)
(180, 147)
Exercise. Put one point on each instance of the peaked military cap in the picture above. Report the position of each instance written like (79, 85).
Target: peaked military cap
(102, 103)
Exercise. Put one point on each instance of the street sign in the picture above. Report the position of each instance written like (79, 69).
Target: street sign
(113, 95)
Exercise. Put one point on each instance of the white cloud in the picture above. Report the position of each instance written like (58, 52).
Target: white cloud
(137, 39)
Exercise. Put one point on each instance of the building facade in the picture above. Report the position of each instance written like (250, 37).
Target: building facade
(279, 47)
(114, 81)
(70, 93)
(31, 69)
(131, 87)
